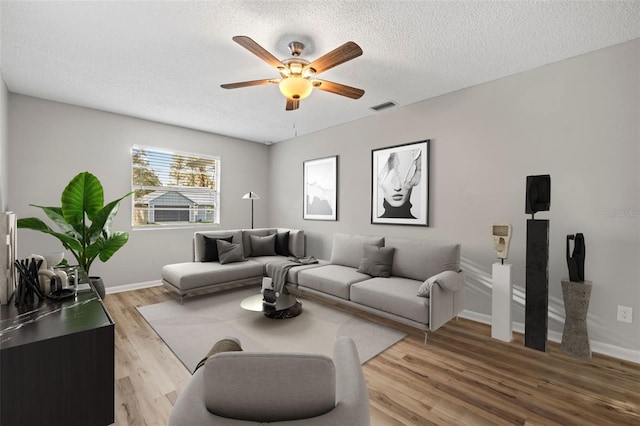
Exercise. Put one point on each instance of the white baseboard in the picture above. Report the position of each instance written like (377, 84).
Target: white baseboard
(598, 347)
(134, 286)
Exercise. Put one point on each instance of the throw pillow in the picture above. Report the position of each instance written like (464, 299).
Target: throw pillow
(229, 252)
(263, 246)
(451, 280)
(425, 288)
(376, 261)
(282, 243)
(211, 248)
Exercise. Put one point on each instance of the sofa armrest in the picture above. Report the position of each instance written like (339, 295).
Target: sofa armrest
(446, 299)
(447, 280)
(351, 388)
(190, 408)
(352, 396)
(450, 280)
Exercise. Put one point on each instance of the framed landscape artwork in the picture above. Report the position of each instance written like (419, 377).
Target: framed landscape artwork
(320, 201)
(400, 184)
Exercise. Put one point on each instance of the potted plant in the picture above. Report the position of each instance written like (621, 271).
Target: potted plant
(85, 223)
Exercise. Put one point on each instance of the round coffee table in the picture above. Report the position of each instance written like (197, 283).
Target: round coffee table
(286, 306)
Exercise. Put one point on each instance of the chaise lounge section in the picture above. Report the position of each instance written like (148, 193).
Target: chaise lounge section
(250, 255)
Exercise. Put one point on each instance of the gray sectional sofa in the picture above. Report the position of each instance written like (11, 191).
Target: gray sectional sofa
(249, 252)
(415, 282)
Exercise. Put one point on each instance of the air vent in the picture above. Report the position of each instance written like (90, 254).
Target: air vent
(383, 106)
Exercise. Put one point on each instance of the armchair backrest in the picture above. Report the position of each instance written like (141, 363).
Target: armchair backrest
(269, 387)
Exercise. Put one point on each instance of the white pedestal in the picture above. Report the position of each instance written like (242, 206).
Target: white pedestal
(502, 295)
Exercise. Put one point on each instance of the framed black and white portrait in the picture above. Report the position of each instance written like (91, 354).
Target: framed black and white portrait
(400, 184)
(320, 201)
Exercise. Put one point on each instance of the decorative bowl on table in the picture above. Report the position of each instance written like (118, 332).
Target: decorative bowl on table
(53, 259)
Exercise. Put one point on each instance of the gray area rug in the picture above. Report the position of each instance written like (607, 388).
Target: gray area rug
(191, 329)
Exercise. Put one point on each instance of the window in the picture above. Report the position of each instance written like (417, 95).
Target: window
(174, 188)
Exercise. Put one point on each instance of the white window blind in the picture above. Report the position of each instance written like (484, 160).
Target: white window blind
(174, 188)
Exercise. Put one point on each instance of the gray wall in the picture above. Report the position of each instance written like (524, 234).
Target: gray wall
(4, 143)
(577, 120)
(52, 142)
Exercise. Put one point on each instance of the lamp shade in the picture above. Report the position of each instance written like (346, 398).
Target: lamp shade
(295, 87)
(251, 196)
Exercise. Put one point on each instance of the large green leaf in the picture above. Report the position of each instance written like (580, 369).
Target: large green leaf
(102, 221)
(55, 214)
(112, 244)
(36, 224)
(84, 194)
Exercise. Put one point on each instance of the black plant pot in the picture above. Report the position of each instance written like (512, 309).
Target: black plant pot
(98, 285)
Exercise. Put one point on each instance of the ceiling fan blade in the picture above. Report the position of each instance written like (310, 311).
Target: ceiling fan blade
(258, 50)
(344, 53)
(250, 83)
(292, 104)
(338, 89)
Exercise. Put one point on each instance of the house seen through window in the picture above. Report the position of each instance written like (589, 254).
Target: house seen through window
(174, 188)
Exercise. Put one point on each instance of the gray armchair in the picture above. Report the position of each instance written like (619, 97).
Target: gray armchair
(245, 388)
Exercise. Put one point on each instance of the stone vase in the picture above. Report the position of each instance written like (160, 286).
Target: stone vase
(575, 336)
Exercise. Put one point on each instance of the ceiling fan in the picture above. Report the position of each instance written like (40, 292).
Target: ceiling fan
(298, 75)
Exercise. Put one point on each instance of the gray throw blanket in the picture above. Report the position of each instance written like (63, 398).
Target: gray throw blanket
(279, 270)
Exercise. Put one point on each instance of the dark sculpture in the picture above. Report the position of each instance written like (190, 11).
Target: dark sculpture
(538, 199)
(28, 284)
(575, 262)
(538, 194)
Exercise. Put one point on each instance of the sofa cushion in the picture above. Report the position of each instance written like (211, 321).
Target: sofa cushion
(393, 295)
(348, 249)
(211, 248)
(193, 275)
(376, 261)
(274, 386)
(421, 259)
(331, 279)
(198, 241)
(282, 243)
(263, 246)
(229, 252)
(246, 237)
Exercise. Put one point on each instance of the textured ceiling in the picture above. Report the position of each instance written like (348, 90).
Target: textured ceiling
(165, 61)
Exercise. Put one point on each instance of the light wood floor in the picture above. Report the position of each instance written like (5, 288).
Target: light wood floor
(461, 376)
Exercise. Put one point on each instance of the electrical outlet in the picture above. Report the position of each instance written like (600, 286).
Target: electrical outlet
(625, 313)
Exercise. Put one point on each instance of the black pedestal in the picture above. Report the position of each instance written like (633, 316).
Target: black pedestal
(537, 285)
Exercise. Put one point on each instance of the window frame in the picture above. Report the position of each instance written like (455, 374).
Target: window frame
(192, 208)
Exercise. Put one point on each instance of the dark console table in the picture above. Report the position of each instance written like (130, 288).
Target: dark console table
(57, 363)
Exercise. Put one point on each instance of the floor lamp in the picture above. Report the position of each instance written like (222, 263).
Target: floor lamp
(251, 196)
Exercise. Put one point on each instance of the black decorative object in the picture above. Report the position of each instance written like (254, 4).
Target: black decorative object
(28, 283)
(269, 296)
(537, 285)
(575, 261)
(538, 198)
(291, 312)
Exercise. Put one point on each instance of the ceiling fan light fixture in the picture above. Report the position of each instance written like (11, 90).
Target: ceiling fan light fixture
(295, 87)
